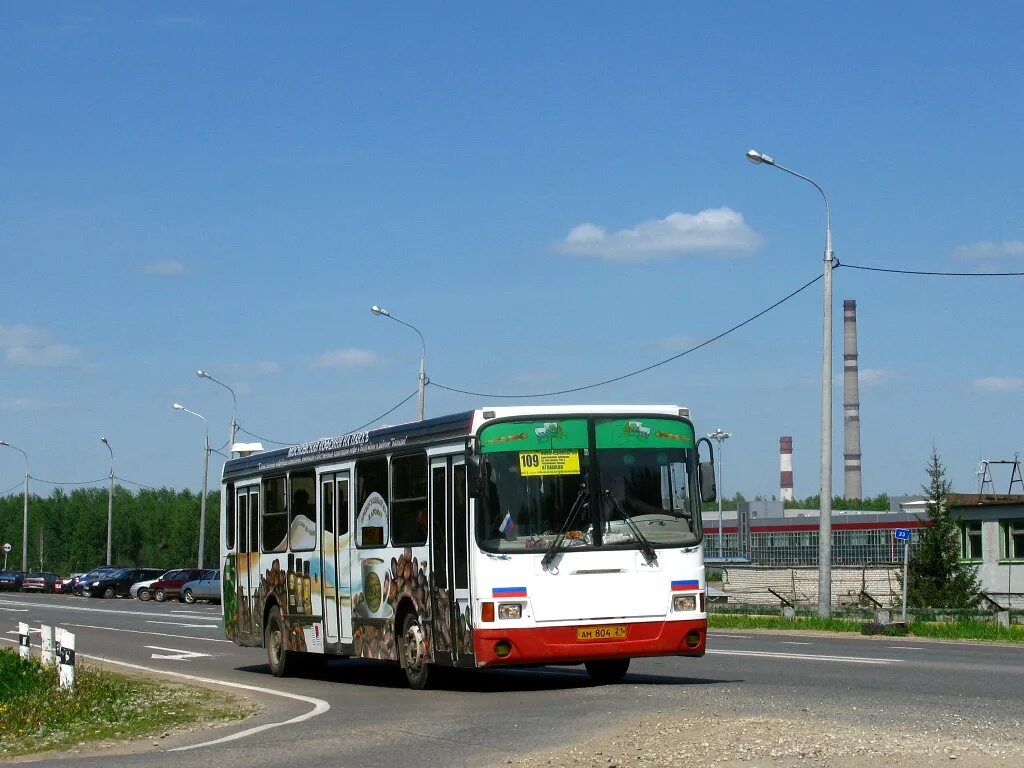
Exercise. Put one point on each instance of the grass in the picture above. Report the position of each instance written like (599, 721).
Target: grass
(960, 629)
(36, 716)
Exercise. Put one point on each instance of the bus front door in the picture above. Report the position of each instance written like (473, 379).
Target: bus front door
(334, 564)
(248, 563)
(459, 565)
(441, 598)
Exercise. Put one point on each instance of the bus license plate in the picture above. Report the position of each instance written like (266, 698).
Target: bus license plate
(588, 634)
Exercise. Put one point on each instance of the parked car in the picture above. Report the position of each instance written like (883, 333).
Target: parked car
(168, 589)
(143, 590)
(78, 583)
(117, 583)
(205, 588)
(63, 585)
(11, 580)
(39, 581)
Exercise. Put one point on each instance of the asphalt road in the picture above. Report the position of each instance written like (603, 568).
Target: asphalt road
(361, 713)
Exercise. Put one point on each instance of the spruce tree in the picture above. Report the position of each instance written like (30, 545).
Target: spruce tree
(937, 577)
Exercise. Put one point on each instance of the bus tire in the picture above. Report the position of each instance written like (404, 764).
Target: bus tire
(413, 648)
(607, 671)
(280, 659)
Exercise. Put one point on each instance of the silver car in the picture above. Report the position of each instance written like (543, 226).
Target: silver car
(205, 588)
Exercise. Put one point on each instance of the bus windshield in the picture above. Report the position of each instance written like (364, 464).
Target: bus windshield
(595, 483)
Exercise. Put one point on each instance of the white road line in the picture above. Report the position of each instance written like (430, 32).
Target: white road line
(806, 657)
(905, 647)
(792, 642)
(59, 607)
(185, 626)
(734, 637)
(158, 634)
(175, 654)
(319, 705)
(15, 610)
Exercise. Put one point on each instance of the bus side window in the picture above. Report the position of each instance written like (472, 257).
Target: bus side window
(409, 499)
(461, 528)
(229, 517)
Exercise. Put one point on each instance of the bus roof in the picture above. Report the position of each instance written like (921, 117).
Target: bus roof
(415, 433)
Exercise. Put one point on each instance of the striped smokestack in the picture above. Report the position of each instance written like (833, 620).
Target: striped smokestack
(786, 468)
(851, 403)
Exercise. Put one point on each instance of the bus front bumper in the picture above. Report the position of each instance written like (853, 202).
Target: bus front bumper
(495, 646)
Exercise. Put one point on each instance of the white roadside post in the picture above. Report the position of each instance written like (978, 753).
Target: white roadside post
(66, 656)
(24, 649)
(46, 645)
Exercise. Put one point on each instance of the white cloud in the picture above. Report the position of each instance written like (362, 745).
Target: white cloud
(713, 230)
(345, 359)
(22, 336)
(997, 384)
(24, 404)
(163, 267)
(987, 249)
(870, 377)
(46, 356)
(29, 347)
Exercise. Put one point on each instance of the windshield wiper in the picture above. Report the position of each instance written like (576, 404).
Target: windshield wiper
(573, 511)
(642, 542)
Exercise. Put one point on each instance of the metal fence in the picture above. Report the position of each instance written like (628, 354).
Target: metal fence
(874, 546)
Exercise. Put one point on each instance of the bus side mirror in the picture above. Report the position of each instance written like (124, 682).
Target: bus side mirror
(476, 474)
(708, 490)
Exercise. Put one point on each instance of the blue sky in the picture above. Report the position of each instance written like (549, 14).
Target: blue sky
(553, 195)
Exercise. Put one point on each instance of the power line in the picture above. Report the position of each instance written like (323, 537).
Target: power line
(940, 274)
(139, 485)
(356, 429)
(713, 339)
(12, 488)
(54, 482)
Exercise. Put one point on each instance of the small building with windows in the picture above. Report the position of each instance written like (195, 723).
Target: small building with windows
(992, 537)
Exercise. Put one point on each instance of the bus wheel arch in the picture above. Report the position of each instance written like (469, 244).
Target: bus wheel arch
(412, 647)
(275, 638)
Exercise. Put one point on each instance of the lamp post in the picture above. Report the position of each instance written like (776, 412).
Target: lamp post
(206, 464)
(110, 499)
(720, 437)
(825, 493)
(234, 408)
(381, 312)
(24, 514)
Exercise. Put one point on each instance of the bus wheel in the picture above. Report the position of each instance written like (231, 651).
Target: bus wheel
(278, 656)
(606, 671)
(414, 653)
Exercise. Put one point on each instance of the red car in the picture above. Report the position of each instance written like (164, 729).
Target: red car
(168, 589)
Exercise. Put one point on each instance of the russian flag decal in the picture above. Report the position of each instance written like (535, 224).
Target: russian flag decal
(508, 592)
(691, 585)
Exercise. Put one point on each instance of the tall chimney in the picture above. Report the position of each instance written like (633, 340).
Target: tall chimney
(786, 468)
(851, 404)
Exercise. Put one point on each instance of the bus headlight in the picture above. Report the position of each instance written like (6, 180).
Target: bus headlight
(510, 610)
(684, 602)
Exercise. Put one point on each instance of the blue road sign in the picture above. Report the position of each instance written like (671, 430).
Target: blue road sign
(901, 534)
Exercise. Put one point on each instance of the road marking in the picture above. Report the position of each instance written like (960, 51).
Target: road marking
(15, 610)
(792, 642)
(175, 654)
(806, 657)
(59, 607)
(158, 634)
(905, 647)
(185, 626)
(734, 637)
(319, 705)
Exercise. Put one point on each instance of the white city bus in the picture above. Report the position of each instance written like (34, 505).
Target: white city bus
(499, 536)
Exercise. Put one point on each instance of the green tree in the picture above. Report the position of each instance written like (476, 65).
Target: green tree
(937, 577)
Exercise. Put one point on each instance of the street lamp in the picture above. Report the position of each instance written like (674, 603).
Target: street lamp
(381, 312)
(110, 498)
(721, 437)
(234, 407)
(24, 514)
(206, 465)
(825, 518)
